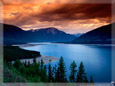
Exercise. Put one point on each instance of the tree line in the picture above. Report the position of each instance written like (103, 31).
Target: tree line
(38, 72)
(12, 53)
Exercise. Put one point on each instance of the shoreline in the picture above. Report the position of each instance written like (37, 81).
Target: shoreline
(30, 45)
(87, 44)
(46, 59)
(27, 45)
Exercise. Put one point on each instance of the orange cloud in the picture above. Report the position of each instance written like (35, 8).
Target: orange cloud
(71, 18)
(53, 1)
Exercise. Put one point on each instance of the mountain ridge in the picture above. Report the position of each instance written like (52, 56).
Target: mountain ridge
(15, 34)
(101, 35)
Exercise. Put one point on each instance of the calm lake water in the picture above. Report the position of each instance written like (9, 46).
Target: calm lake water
(96, 59)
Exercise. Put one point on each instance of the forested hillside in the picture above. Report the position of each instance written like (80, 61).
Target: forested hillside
(14, 52)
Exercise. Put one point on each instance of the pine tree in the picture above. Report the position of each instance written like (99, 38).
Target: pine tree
(34, 61)
(42, 63)
(61, 71)
(85, 79)
(28, 63)
(17, 64)
(81, 73)
(54, 73)
(45, 68)
(91, 79)
(43, 74)
(50, 73)
(9, 63)
(25, 63)
(57, 75)
(73, 71)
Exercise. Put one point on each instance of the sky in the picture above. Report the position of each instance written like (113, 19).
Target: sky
(70, 16)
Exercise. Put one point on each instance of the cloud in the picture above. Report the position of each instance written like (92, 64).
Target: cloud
(76, 11)
(53, 1)
(62, 16)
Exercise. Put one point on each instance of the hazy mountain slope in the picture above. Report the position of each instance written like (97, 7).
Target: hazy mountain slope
(101, 35)
(77, 34)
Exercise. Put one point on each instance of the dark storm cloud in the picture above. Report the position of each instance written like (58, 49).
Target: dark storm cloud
(63, 12)
(76, 11)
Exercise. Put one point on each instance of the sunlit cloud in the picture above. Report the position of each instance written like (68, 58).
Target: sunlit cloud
(71, 18)
(53, 1)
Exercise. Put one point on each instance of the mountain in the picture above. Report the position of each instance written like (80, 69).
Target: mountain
(13, 34)
(77, 34)
(101, 35)
(52, 34)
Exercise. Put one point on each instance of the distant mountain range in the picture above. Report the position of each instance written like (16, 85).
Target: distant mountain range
(101, 35)
(13, 34)
(77, 34)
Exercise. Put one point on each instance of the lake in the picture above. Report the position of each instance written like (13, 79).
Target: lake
(96, 58)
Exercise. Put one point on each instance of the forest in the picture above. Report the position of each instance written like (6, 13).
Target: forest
(39, 72)
(12, 53)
